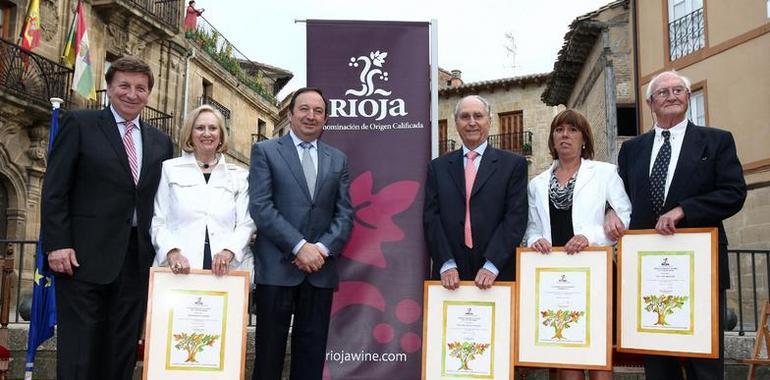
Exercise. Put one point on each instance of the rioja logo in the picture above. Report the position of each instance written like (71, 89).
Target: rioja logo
(364, 106)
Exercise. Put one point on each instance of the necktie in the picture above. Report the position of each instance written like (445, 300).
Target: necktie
(470, 176)
(308, 167)
(128, 143)
(659, 174)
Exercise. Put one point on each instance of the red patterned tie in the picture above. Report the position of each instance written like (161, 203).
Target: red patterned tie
(128, 143)
(470, 176)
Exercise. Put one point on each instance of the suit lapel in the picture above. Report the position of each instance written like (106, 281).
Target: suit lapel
(585, 174)
(109, 127)
(487, 166)
(147, 151)
(324, 163)
(456, 170)
(692, 150)
(289, 153)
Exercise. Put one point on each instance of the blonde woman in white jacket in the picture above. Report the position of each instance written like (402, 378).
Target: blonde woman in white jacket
(567, 202)
(201, 217)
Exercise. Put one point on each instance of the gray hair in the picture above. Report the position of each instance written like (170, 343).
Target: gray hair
(483, 101)
(650, 86)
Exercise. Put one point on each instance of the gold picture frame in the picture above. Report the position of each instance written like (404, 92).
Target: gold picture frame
(468, 332)
(196, 325)
(664, 285)
(564, 309)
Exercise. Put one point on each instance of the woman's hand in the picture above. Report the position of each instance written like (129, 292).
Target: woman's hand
(543, 246)
(178, 262)
(576, 244)
(220, 263)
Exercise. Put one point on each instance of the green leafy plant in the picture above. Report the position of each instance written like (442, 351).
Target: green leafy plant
(466, 352)
(560, 320)
(663, 306)
(193, 344)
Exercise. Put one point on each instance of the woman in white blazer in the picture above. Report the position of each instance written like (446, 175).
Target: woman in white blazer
(201, 207)
(567, 202)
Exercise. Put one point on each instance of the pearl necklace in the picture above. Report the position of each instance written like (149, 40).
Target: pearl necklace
(206, 165)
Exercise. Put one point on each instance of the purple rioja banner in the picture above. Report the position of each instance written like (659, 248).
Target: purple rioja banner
(376, 76)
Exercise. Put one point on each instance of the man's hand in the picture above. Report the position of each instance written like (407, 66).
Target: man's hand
(220, 263)
(576, 244)
(63, 261)
(543, 246)
(613, 226)
(485, 279)
(178, 262)
(667, 222)
(450, 279)
(309, 258)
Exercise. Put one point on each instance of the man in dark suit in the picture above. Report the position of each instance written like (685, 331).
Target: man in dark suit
(98, 194)
(475, 204)
(298, 188)
(681, 175)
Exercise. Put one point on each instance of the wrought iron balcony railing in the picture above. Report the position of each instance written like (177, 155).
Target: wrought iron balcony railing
(165, 12)
(686, 35)
(257, 137)
(445, 146)
(149, 115)
(518, 142)
(217, 105)
(33, 77)
(224, 52)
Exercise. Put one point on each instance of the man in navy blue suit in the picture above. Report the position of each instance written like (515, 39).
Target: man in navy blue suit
(475, 209)
(681, 175)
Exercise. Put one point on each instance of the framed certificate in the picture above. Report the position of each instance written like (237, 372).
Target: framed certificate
(196, 325)
(467, 332)
(669, 289)
(564, 309)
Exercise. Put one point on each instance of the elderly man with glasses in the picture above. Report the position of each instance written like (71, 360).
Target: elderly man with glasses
(681, 175)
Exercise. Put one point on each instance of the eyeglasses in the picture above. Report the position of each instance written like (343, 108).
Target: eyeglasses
(664, 93)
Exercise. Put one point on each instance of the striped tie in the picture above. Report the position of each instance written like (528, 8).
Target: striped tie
(128, 143)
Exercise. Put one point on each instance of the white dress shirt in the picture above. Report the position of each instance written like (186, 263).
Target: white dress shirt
(451, 264)
(676, 139)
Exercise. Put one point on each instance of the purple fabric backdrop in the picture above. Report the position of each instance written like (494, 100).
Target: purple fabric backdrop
(377, 77)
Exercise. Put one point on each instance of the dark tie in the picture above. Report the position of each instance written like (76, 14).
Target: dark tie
(658, 175)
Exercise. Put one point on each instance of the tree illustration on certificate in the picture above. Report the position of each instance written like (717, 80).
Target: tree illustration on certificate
(665, 303)
(466, 352)
(561, 306)
(560, 320)
(193, 344)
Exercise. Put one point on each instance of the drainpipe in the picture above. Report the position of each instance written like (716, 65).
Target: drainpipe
(185, 92)
(610, 100)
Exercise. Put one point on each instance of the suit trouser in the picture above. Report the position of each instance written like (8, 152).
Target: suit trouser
(99, 325)
(311, 307)
(669, 367)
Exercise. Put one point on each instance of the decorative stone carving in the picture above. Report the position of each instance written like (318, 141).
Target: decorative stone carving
(38, 137)
(49, 19)
(117, 37)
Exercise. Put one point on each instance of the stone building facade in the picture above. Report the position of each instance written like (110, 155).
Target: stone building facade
(594, 75)
(188, 72)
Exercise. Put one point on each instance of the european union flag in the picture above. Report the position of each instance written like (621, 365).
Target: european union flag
(43, 315)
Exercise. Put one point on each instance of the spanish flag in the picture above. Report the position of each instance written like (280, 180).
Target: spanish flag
(76, 54)
(30, 33)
